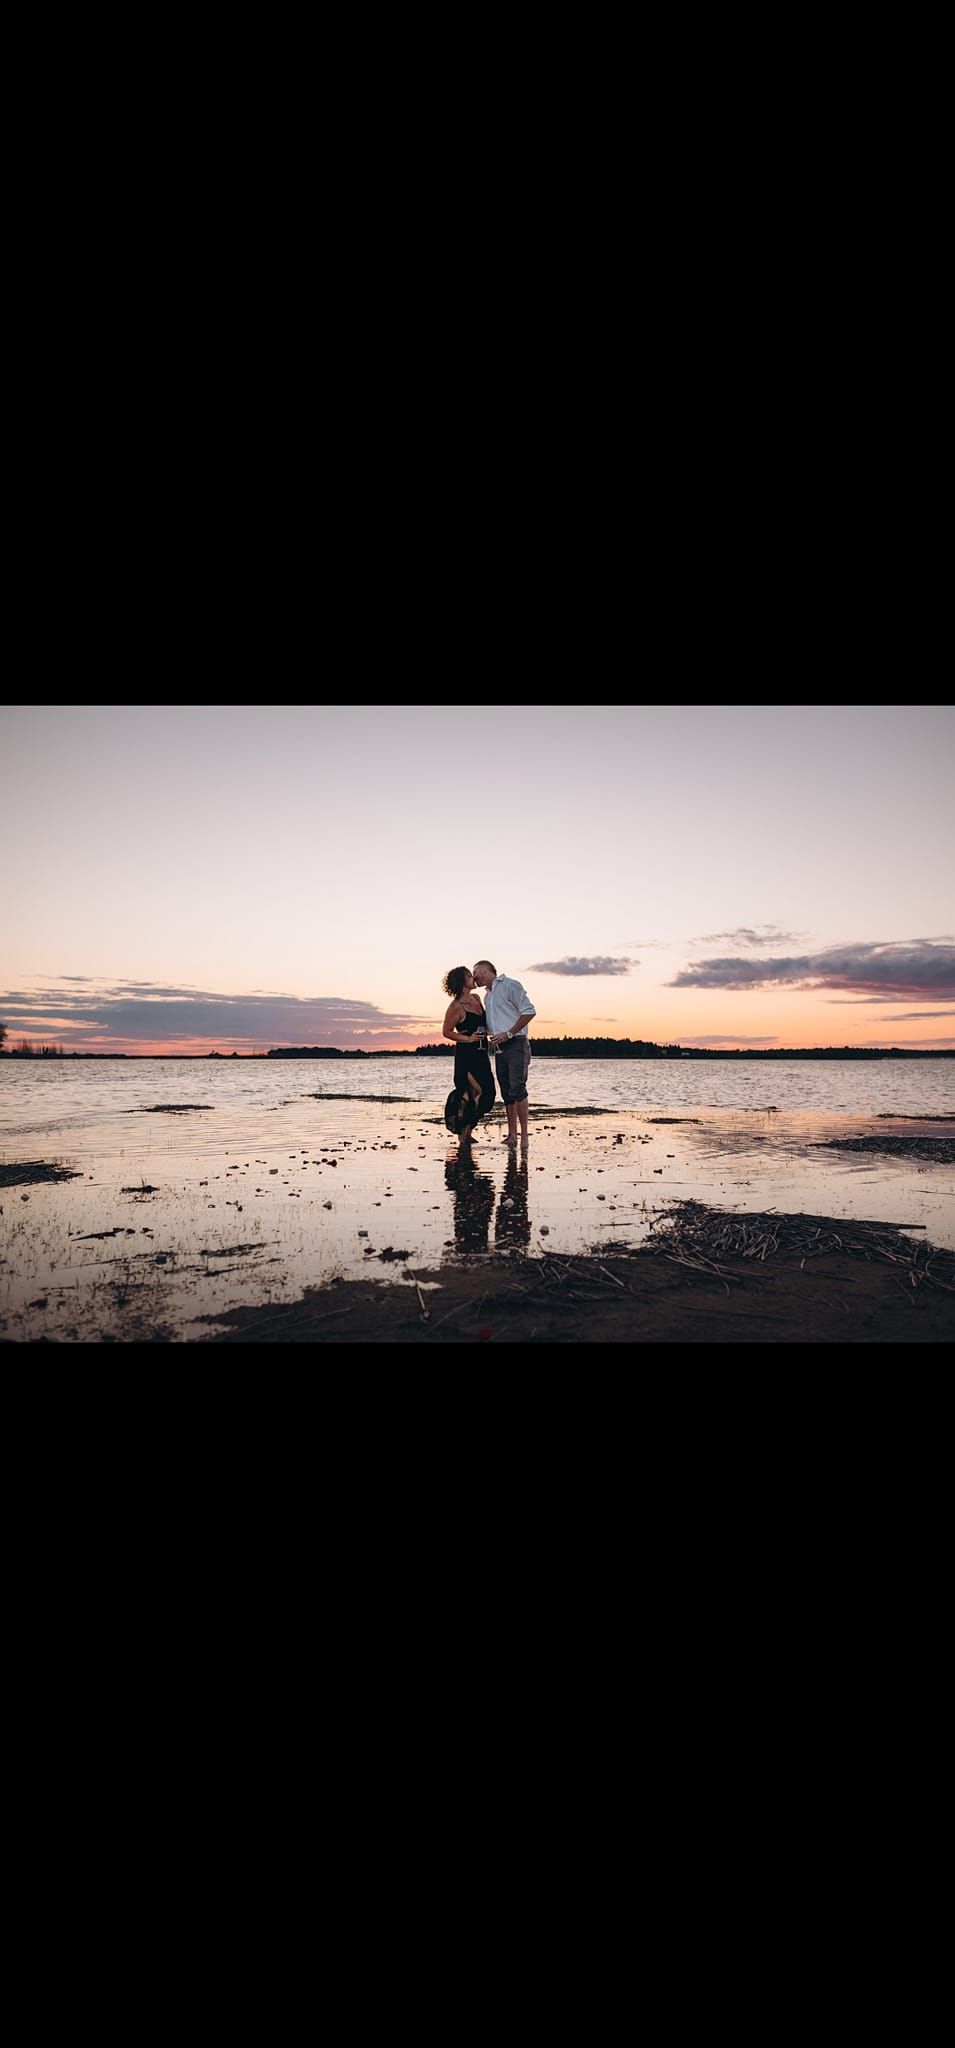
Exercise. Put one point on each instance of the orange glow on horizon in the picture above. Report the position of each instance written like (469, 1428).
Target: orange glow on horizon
(797, 1039)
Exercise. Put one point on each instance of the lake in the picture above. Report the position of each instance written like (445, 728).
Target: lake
(48, 1097)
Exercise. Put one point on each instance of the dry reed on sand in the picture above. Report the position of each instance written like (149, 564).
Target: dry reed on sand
(692, 1234)
(701, 1240)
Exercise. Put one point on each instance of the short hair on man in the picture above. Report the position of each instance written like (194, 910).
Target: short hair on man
(486, 963)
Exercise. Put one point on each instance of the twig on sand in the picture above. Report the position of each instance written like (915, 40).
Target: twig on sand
(703, 1266)
(455, 1311)
(425, 1311)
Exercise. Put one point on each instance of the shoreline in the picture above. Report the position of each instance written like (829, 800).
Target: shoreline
(543, 1050)
(176, 1225)
(633, 1299)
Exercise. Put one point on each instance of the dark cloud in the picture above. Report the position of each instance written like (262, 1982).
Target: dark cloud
(748, 935)
(920, 1016)
(896, 971)
(594, 963)
(130, 1013)
(910, 1044)
(864, 1002)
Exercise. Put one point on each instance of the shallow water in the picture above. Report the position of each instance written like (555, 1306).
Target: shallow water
(53, 1096)
(276, 1186)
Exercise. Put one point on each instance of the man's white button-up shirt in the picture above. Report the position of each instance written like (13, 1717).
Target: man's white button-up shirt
(506, 1000)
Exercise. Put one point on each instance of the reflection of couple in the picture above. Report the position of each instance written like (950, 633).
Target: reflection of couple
(473, 1194)
(474, 1031)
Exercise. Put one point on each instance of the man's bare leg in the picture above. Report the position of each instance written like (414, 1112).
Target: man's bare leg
(511, 1108)
(522, 1113)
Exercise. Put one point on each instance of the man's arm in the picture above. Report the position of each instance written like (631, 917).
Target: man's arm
(518, 1025)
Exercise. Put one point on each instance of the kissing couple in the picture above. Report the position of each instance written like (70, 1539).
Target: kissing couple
(475, 1032)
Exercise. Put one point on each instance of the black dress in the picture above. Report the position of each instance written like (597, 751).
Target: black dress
(461, 1112)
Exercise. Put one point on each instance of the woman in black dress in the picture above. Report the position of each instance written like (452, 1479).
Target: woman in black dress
(473, 1092)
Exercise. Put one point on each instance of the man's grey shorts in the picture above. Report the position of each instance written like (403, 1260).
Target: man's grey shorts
(511, 1062)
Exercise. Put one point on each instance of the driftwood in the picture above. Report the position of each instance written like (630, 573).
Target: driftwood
(422, 1304)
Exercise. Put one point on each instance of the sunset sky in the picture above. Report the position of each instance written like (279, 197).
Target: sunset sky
(182, 878)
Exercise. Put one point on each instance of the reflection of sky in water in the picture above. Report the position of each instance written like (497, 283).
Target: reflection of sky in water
(250, 1206)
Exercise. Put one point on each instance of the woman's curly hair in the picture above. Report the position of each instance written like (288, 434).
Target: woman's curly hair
(454, 980)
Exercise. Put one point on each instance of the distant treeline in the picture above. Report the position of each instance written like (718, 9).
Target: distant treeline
(316, 1052)
(624, 1049)
(33, 1052)
(548, 1048)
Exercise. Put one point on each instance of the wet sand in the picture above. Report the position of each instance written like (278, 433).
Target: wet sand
(633, 1299)
(343, 1222)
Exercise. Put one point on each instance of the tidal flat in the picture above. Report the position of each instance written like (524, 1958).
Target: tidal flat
(345, 1219)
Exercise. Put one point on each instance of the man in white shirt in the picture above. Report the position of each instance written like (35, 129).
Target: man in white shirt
(509, 1011)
